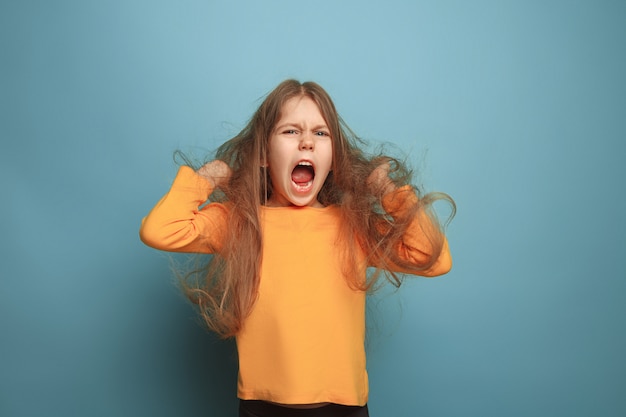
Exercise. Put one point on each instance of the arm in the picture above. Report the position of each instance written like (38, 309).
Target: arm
(415, 247)
(177, 224)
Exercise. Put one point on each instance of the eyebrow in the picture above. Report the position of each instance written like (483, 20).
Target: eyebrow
(299, 126)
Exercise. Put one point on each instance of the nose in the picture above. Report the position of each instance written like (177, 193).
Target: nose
(307, 143)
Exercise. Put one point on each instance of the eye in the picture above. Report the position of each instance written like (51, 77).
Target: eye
(290, 131)
(322, 133)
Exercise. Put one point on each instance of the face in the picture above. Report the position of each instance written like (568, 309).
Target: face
(300, 154)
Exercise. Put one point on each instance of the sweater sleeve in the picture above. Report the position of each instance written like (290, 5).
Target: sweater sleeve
(415, 247)
(178, 224)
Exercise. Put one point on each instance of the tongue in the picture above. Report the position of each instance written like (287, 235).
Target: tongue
(302, 174)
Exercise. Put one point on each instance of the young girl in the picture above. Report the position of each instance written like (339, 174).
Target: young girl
(294, 213)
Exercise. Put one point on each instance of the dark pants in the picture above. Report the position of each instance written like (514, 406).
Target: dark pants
(253, 408)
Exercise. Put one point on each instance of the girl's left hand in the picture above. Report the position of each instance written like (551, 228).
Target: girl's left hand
(379, 181)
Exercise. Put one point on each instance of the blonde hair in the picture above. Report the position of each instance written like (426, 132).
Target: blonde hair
(228, 287)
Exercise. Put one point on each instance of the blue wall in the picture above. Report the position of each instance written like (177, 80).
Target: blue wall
(515, 108)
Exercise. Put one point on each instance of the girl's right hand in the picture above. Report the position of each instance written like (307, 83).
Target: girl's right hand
(216, 171)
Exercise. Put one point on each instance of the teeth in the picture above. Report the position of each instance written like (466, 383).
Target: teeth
(303, 186)
(305, 163)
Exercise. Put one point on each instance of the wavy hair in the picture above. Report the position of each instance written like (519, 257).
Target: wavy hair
(226, 289)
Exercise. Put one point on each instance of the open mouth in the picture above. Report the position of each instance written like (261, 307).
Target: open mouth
(302, 175)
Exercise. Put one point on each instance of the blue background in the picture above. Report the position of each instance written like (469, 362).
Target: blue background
(515, 108)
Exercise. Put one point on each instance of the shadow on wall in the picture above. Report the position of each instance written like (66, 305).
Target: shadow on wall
(171, 364)
(212, 371)
(209, 364)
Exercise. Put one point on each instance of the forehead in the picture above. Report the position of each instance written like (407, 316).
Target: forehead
(301, 108)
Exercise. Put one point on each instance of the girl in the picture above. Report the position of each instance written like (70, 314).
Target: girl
(294, 213)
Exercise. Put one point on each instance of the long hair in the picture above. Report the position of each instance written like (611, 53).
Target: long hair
(228, 289)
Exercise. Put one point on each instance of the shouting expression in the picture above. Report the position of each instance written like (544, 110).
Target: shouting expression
(300, 154)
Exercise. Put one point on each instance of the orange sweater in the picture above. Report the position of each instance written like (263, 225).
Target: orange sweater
(304, 340)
